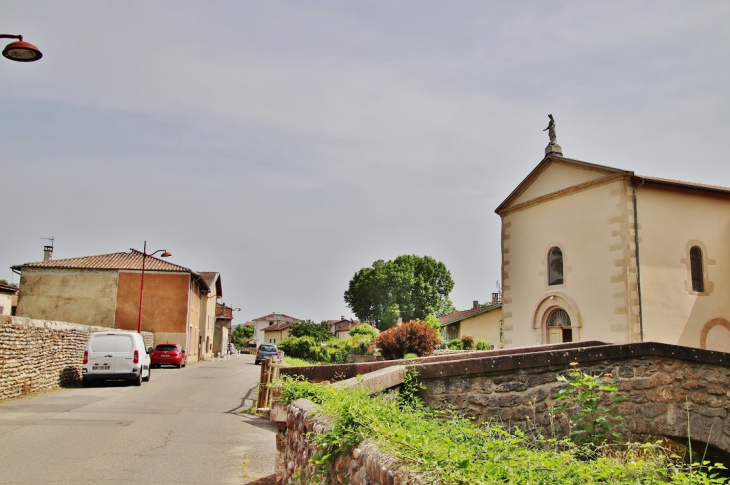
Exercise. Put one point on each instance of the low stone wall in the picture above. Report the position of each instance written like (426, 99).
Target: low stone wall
(670, 390)
(364, 464)
(37, 355)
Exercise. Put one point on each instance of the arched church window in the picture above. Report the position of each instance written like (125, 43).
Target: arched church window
(555, 266)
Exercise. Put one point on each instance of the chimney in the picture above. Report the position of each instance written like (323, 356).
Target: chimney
(476, 304)
(496, 299)
(342, 317)
(47, 253)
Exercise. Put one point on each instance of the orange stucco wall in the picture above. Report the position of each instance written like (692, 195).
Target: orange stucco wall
(165, 306)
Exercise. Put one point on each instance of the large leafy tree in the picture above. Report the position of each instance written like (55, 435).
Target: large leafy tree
(410, 287)
(241, 334)
(320, 332)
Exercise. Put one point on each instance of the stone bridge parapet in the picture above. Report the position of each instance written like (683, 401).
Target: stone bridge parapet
(669, 389)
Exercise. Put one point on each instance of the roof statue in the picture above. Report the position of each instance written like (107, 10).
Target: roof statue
(553, 147)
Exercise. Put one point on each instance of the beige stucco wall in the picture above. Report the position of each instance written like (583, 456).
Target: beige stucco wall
(556, 177)
(279, 335)
(207, 322)
(6, 303)
(671, 221)
(171, 338)
(87, 297)
(483, 326)
(593, 229)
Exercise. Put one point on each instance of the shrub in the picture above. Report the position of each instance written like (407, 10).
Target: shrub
(468, 342)
(483, 345)
(411, 337)
(364, 331)
(297, 347)
(410, 356)
(456, 344)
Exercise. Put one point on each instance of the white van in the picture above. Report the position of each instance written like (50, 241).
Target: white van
(115, 356)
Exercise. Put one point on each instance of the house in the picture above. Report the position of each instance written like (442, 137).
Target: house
(223, 327)
(8, 299)
(277, 332)
(341, 328)
(262, 323)
(207, 324)
(591, 252)
(104, 290)
(480, 321)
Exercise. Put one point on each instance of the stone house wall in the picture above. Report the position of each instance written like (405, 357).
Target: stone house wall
(38, 355)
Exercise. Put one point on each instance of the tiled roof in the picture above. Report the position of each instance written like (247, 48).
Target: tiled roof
(278, 326)
(249, 324)
(680, 183)
(212, 278)
(8, 289)
(464, 314)
(130, 260)
(277, 316)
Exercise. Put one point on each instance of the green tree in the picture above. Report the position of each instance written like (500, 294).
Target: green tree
(410, 287)
(364, 331)
(320, 332)
(241, 335)
(4, 282)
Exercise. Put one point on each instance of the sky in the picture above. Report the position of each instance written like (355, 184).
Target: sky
(288, 144)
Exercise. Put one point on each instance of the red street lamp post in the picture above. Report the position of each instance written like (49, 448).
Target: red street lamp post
(20, 51)
(164, 254)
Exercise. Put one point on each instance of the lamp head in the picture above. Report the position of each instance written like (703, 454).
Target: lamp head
(22, 51)
(165, 255)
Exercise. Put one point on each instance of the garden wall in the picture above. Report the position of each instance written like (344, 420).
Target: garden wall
(37, 355)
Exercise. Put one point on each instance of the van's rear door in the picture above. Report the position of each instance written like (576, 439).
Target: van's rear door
(101, 354)
(124, 354)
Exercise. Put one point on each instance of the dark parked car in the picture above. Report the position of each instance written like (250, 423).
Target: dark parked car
(266, 351)
(168, 354)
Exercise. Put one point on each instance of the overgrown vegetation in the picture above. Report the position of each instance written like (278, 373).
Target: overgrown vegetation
(310, 343)
(416, 336)
(456, 451)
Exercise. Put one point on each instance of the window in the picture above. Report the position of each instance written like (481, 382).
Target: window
(695, 257)
(555, 266)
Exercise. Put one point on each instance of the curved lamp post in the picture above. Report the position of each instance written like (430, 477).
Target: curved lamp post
(20, 51)
(164, 254)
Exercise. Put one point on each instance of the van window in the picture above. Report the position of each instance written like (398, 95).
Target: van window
(104, 343)
(124, 343)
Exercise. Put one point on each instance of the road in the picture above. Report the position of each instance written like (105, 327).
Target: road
(182, 427)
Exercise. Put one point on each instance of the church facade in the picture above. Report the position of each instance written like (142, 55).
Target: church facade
(597, 253)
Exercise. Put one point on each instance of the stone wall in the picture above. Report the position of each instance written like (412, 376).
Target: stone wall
(37, 355)
(364, 464)
(661, 387)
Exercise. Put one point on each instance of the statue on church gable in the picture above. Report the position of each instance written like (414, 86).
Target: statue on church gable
(551, 130)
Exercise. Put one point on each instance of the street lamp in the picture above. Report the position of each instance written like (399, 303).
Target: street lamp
(164, 254)
(20, 51)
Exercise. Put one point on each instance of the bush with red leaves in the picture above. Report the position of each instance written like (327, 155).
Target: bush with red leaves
(415, 337)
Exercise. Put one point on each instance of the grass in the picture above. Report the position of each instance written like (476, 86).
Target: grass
(456, 451)
(294, 362)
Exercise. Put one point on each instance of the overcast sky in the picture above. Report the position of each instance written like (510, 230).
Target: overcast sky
(288, 144)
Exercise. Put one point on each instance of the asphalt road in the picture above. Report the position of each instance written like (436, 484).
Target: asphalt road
(182, 427)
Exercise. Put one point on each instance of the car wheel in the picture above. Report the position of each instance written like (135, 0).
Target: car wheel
(149, 375)
(257, 362)
(179, 365)
(137, 381)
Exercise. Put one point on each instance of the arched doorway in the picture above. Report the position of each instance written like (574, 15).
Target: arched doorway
(559, 328)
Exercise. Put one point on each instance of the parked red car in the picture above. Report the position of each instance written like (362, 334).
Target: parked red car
(168, 354)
